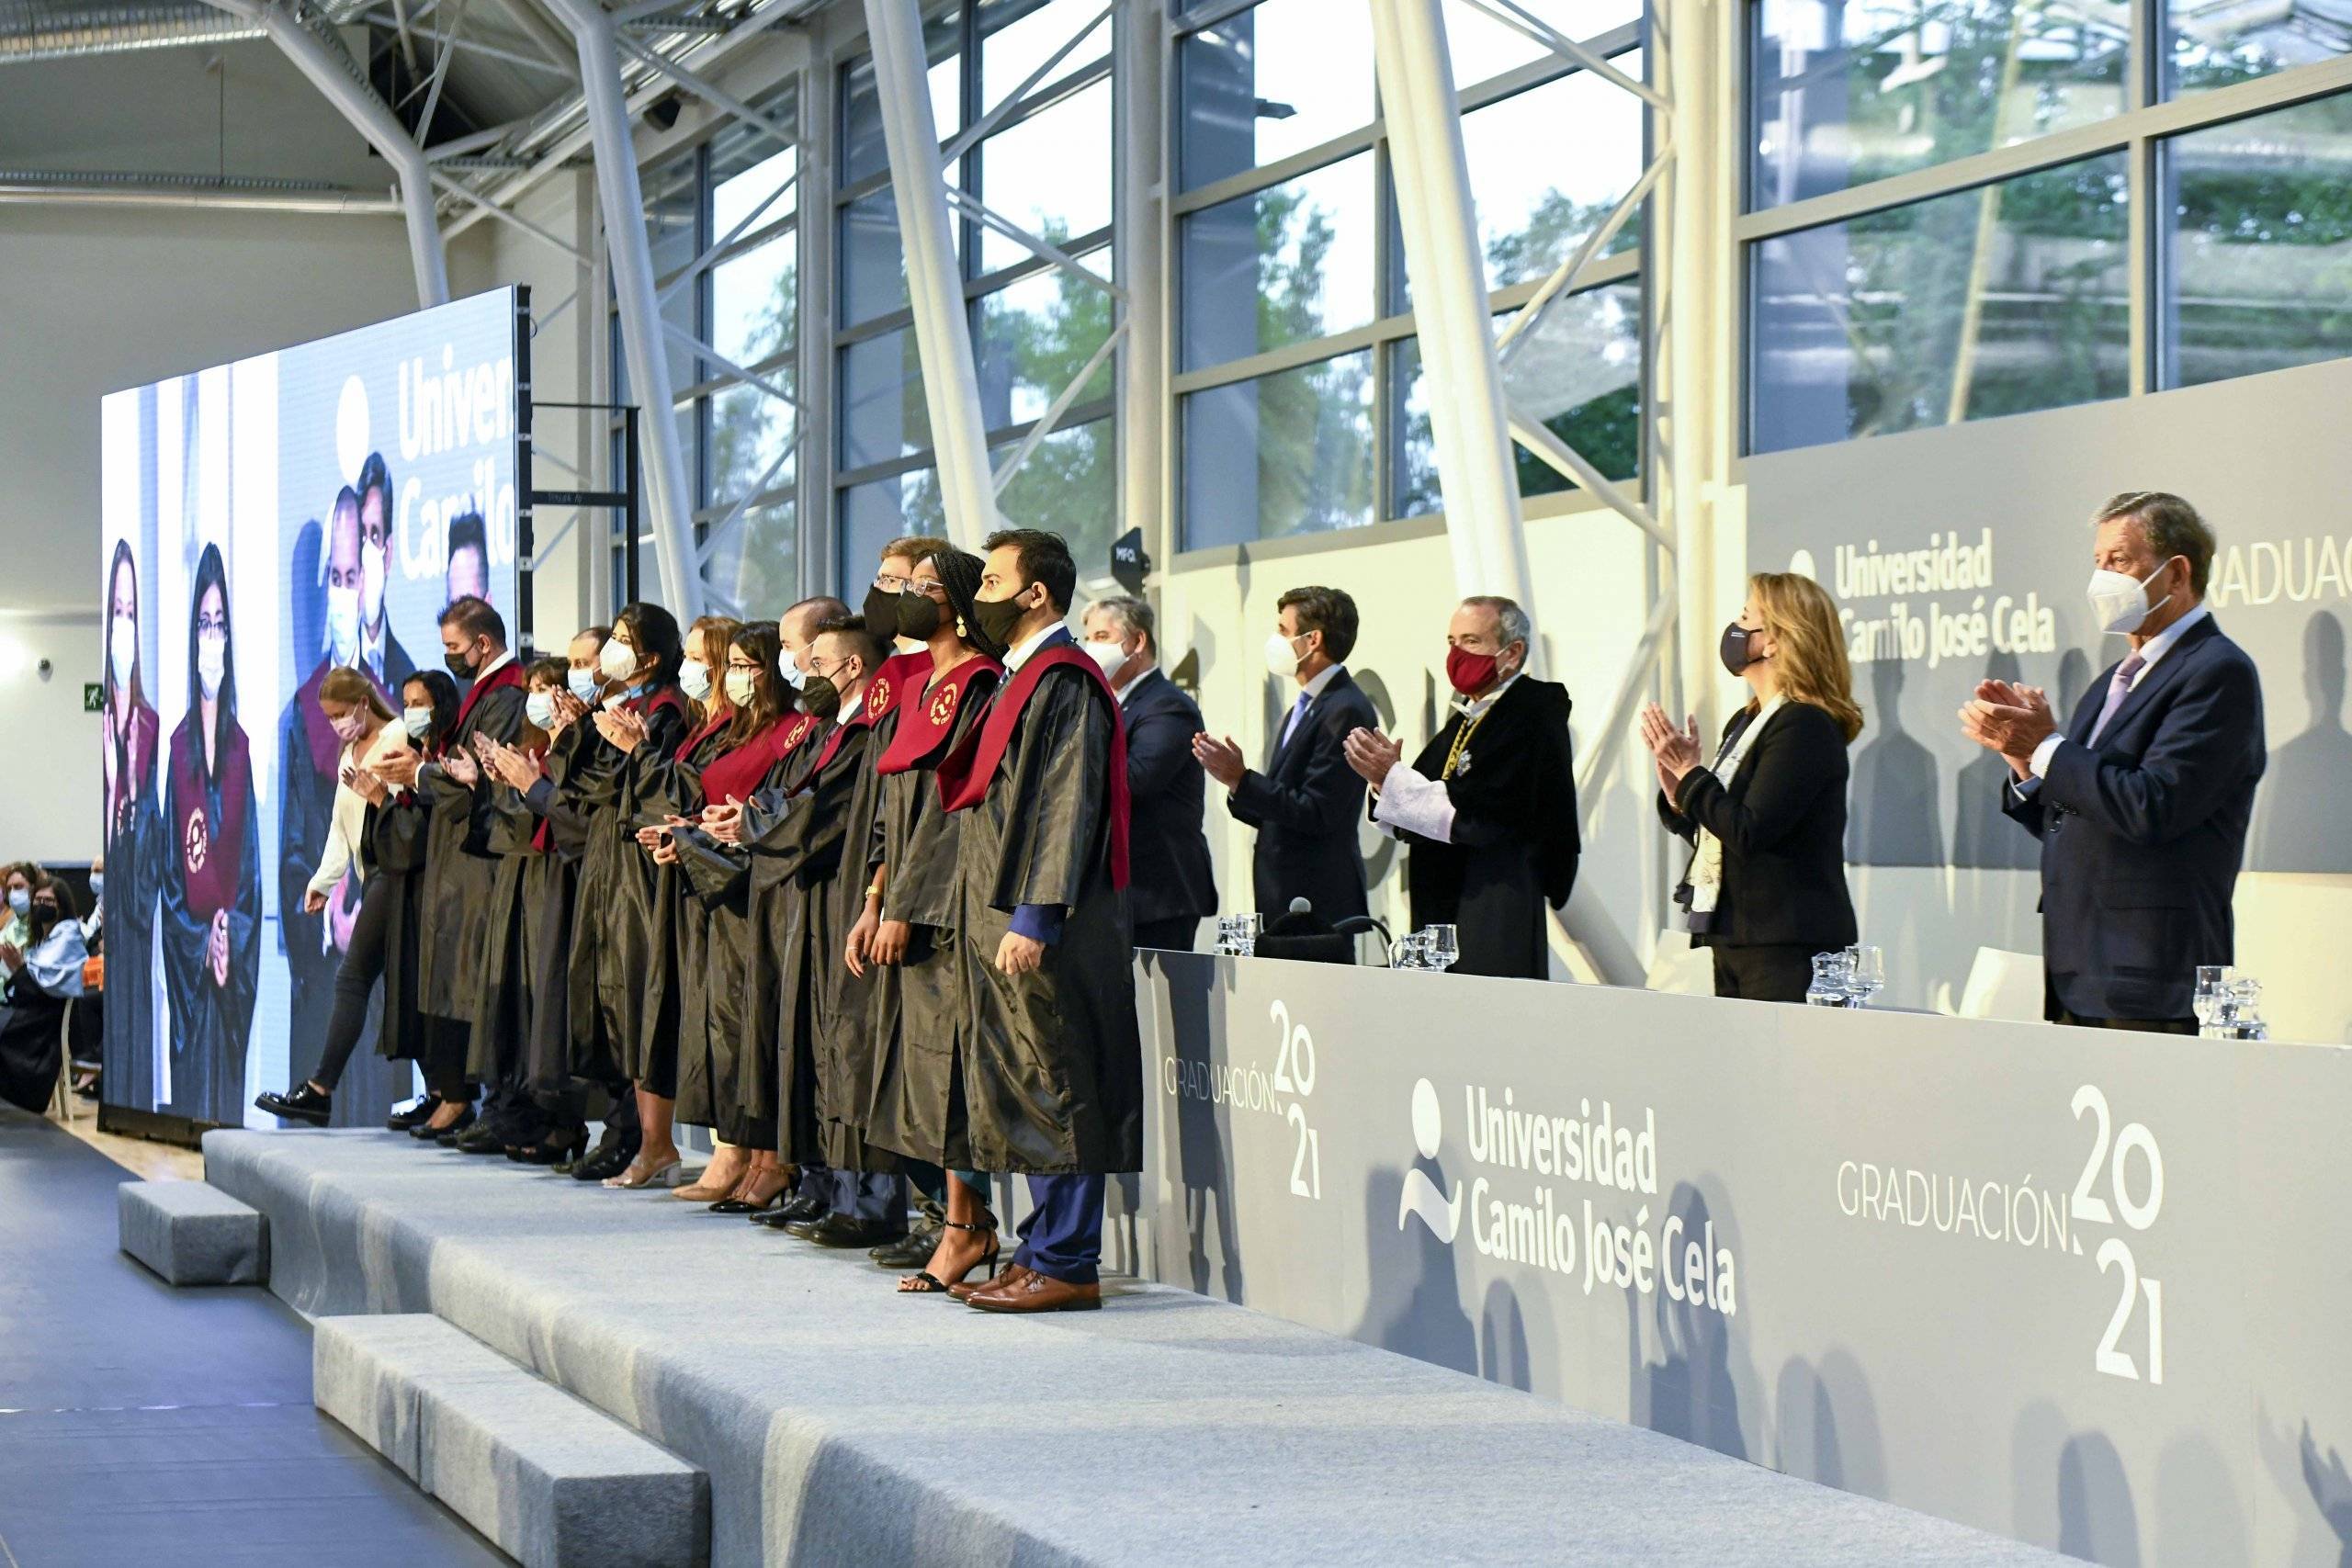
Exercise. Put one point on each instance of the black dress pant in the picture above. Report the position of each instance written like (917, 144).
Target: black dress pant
(1176, 935)
(354, 980)
(1777, 973)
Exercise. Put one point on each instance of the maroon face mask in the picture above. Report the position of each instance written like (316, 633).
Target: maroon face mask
(1469, 672)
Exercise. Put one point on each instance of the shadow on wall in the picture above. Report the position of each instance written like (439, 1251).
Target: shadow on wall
(2296, 825)
(1416, 1305)
(2070, 1490)
(1981, 836)
(1691, 1392)
(1201, 1144)
(1892, 815)
(1825, 1426)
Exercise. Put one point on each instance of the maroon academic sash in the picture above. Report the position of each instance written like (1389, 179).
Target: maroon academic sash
(899, 673)
(210, 853)
(509, 674)
(966, 776)
(930, 716)
(735, 775)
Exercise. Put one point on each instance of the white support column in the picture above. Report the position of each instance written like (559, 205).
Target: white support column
(951, 385)
(670, 506)
(1139, 51)
(1467, 420)
(374, 121)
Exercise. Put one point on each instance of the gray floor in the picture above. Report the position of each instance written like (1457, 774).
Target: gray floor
(840, 1423)
(143, 1425)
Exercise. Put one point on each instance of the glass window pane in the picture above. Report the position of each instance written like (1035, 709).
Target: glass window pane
(1983, 302)
(1310, 431)
(1069, 484)
(748, 166)
(753, 572)
(872, 279)
(1018, 36)
(2261, 273)
(882, 417)
(1281, 266)
(863, 152)
(878, 511)
(753, 301)
(752, 439)
(1269, 81)
(1050, 174)
(1578, 370)
(1036, 336)
(1484, 48)
(2212, 46)
(1900, 86)
(673, 207)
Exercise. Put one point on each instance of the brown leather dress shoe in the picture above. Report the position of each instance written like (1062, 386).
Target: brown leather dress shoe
(1036, 1293)
(964, 1290)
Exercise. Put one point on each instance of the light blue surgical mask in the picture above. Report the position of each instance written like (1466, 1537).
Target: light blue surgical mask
(694, 679)
(539, 708)
(20, 900)
(582, 684)
(97, 885)
(418, 721)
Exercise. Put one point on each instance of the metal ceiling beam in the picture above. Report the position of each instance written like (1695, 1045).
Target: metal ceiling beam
(31, 32)
(139, 190)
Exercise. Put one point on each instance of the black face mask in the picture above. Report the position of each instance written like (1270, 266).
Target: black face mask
(460, 665)
(916, 615)
(999, 619)
(881, 611)
(1737, 648)
(820, 697)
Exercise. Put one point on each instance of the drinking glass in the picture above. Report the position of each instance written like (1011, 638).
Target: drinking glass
(1236, 935)
(1439, 948)
(1410, 950)
(2245, 1008)
(1868, 973)
(2212, 998)
(1833, 980)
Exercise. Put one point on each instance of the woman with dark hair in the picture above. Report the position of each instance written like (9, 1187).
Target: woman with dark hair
(211, 886)
(725, 1054)
(617, 938)
(36, 982)
(133, 849)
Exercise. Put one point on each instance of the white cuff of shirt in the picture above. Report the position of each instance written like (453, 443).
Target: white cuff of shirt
(2038, 764)
(1417, 804)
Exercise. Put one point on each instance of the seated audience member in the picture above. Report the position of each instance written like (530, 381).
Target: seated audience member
(1306, 803)
(1766, 886)
(1171, 886)
(37, 979)
(1489, 809)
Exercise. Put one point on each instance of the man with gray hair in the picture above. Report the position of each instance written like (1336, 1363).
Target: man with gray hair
(2142, 801)
(1489, 809)
(1170, 884)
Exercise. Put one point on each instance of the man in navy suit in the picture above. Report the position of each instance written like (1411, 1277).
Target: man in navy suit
(1308, 801)
(1171, 886)
(2142, 801)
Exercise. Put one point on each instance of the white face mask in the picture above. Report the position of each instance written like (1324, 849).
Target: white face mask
(2119, 601)
(789, 667)
(582, 684)
(343, 623)
(417, 721)
(539, 708)
(212, 663)
(617, 660)
(371, 582)
(122, 648)
(1107, 656)
(1282, 658)
(694, 678)
(739, 684)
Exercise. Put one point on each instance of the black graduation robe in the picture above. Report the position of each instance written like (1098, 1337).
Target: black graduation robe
(1515, 842)
(398, 835)
(215, 864)
(546, 925)
(459, 865)
(134, 851)
(662, 927)
(918, 1008)
(503, 999)
(627, 948)
(1054, 1079)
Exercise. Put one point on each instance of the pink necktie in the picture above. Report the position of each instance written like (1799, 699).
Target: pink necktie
(2117, 690)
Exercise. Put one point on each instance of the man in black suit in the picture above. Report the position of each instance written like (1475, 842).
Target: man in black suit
(1170, 884)
(1306, 803)
(2142, 801)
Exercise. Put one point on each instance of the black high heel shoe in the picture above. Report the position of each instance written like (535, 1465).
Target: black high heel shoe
(923, 1283)
(559, 1146)
(427, 1132)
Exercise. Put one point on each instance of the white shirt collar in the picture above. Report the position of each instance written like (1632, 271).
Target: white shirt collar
(1021, 655)
(2156, 646)
(371, 649)
(1316, 687)
(1147, 672)
(848, 709)
(1478, 709)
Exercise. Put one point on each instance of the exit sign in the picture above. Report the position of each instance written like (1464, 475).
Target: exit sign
(93, 697)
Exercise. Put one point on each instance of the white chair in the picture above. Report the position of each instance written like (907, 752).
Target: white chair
(1680, 969)
(2003, 985)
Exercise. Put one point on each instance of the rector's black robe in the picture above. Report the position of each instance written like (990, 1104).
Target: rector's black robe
(1053, 1081)
(460, 864)
(213, 863)
(1515, 842)
(917, 1005)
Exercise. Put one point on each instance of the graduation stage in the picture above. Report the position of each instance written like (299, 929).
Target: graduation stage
(840, 1423)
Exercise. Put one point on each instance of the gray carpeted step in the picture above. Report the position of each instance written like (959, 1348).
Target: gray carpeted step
(192, 1233)
(552, 1481)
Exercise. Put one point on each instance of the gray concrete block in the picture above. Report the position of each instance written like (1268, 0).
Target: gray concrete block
(548, 1478)
(192, 1234)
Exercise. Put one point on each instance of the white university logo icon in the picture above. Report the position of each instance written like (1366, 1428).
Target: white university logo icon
(1422, 1196)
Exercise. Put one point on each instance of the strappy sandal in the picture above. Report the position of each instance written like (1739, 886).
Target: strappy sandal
(923, 1283)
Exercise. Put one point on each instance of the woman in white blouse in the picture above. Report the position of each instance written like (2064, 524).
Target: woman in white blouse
(371, 733)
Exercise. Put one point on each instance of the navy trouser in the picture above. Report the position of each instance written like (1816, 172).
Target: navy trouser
(863, 1196)
(1061, 1237)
